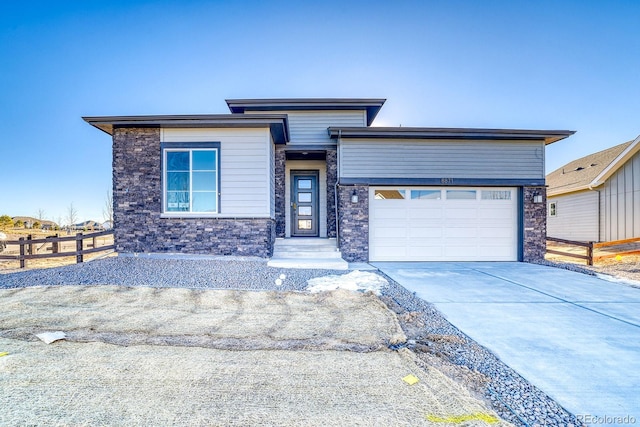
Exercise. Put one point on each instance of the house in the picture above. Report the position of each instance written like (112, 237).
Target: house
(272, 169)
(30, 222)
(597, 197)
(87, 226)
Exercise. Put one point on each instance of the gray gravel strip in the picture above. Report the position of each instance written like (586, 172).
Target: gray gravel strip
(163, 273)
(511, 396)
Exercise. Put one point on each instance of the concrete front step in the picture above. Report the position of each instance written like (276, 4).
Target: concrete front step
(311, 263)
(305, 241)
(307, 253)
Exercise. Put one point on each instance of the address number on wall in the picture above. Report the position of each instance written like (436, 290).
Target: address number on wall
(446, 180)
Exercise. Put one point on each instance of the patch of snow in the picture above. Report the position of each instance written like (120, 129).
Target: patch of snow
(355, 281)
(614, 279)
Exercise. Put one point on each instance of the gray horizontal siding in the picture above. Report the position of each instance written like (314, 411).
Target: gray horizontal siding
(576, 217)
(621, 202)
(361, 158)
(310, 127)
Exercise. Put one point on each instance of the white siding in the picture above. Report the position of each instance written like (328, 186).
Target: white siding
(245, 168)
(360, 158)
(621, 201)
(310, 127)
(576, 217)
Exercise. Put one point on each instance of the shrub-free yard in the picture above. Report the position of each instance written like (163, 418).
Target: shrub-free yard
(142, 356)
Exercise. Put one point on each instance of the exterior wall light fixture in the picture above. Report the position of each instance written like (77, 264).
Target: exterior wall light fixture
(537, 197)
(354, 197)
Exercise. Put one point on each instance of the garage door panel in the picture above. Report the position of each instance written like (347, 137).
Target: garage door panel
(445, 229)
(390, 232)
(460, 213)
(495, 233)
(391, 214)
(460, 232)
(425, 213)
(460, 251)
(426, 232)
(486, 213)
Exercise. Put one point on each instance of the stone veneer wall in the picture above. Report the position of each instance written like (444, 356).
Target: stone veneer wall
(332, 178)
(535, 225)
(354, 223)
(137, 206)
(280, 190)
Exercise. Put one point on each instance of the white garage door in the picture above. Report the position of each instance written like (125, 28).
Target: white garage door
(443, 224)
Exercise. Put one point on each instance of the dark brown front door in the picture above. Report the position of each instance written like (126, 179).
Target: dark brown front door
(304, 203)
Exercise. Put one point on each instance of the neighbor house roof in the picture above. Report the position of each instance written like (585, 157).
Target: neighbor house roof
(371, 105)
(592, 170)
(549, 136)
(277, 123)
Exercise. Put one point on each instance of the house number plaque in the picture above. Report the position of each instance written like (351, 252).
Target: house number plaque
(446, 181)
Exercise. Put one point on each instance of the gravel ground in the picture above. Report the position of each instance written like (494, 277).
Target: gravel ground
(430, 334)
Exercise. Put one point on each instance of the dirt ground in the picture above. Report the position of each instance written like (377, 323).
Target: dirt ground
(142, 356)
(10, 266)
(624, 267)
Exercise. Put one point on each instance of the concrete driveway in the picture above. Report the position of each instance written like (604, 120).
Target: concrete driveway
(576, 337)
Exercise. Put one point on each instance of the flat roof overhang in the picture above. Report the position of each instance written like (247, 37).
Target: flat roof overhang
(371, 105)
(278, 124)
(549, 136)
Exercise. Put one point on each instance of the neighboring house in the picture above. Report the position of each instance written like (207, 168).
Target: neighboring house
(88, 225)
(231, 184)
(597, 198)
(30, 221)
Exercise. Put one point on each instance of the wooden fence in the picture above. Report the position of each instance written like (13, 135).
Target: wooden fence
(590, 247)
(29, 247)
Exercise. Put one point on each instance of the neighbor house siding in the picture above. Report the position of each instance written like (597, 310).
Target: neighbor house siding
(576, 217)
(361, 158)
(310, 127)
(246, 168)
(621, 201)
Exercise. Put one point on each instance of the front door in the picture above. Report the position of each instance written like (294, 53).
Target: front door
(304, 203)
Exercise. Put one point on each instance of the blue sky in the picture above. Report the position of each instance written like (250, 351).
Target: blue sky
(500, 64)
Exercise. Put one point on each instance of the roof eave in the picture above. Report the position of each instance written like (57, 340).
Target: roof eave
(552, 193)
(371, 105)
(622, 158)
(277, 123)
(549, 136)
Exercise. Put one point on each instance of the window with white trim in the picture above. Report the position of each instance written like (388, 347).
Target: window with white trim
(553, 209)
(191, 178)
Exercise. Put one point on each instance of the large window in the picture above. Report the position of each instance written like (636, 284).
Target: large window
(191, 176)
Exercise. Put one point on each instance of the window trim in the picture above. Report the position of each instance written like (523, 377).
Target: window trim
(208, 145)
(553, 209)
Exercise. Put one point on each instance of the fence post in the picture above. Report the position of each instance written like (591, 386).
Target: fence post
(590, 253)
(79, 255)
(55, 246)
(22, 260)
(95, 242)
(29, 238)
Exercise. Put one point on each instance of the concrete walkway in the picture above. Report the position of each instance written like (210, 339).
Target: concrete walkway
(576, 337)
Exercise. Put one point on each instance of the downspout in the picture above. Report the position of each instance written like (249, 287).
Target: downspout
(335, 191)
